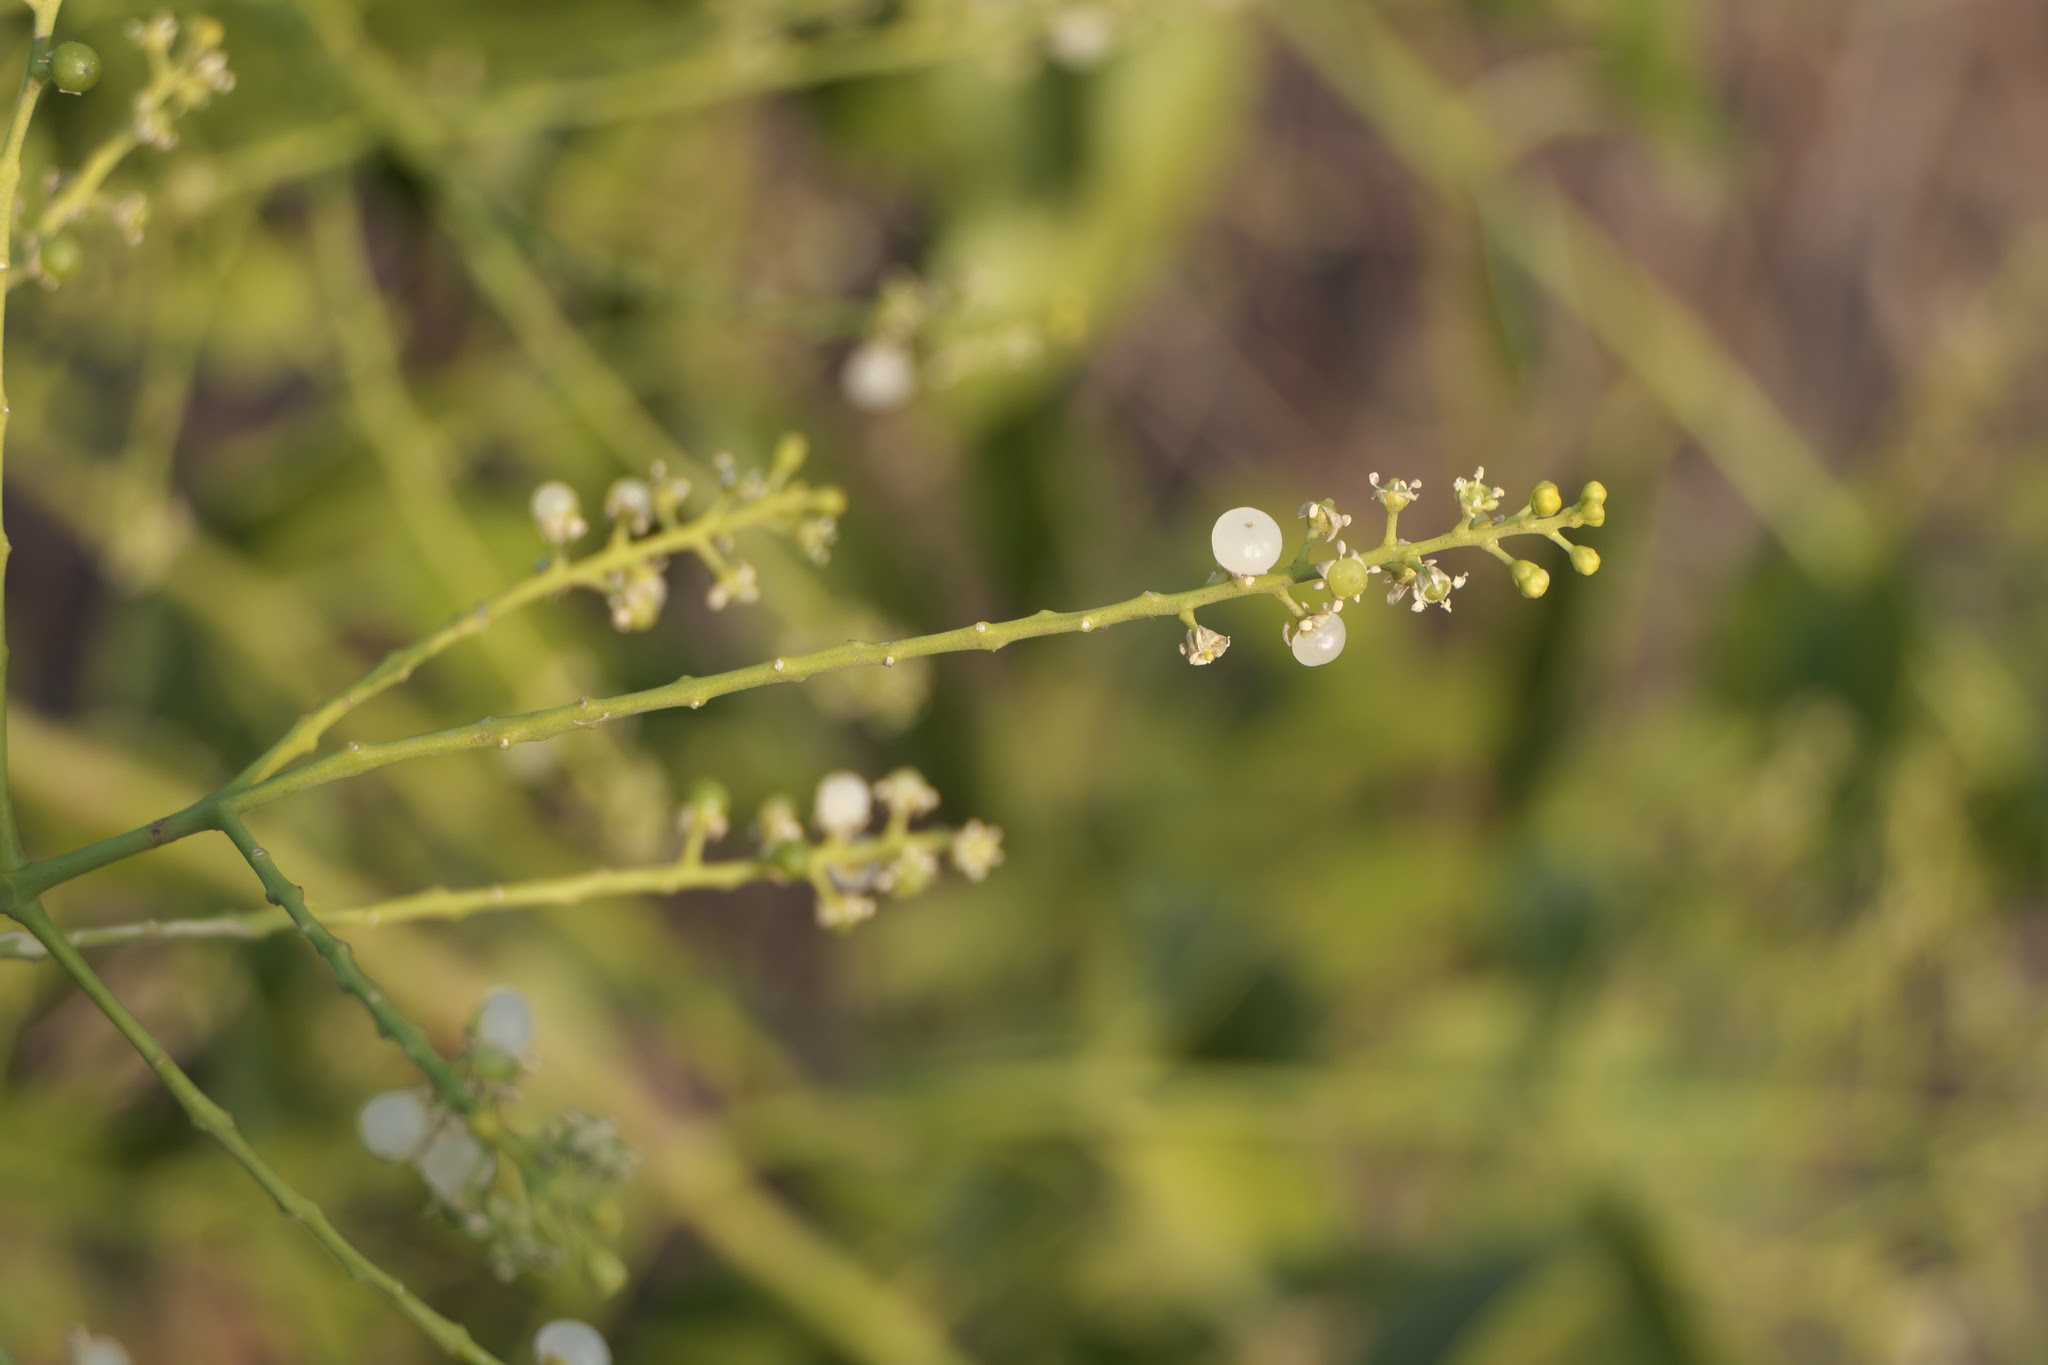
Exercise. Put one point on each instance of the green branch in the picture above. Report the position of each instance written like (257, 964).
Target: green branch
(443, 903)
(410, 1037)
(217, 1123)
(588, 572)
(494, 733)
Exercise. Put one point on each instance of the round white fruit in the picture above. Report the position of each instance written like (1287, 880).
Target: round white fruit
(566, 1341)
(1246, 541)
(1319, 640)
(845, 804)
(505, 1021)
(393, 1125)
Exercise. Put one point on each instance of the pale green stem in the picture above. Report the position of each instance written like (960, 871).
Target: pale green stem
(217, 1123)
(11, 852)
(690, 873)
(503, 733)
(588, 572)
(410, 1037)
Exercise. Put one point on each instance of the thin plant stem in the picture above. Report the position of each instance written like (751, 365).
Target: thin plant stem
(11, 852)
(341, 959)
(502, 733)
(453, 1338)
(444, 903)
(588, 572)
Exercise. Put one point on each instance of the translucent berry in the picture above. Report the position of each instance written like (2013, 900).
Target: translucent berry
(1318, 640)
(393, 1125)
(1532, 579)
(1246, 541)
(1545, 500)
(879, 376)
(505, 1021)
(74, 68)
(454, 1164)
(1585, 559)
(83, 1348)
(566, 1341)
(61, 257)
(1346, 578)
(845, 804)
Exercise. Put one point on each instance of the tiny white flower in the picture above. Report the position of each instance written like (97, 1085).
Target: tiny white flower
(777, 822)
(906, 792)
(1204, 646)
(977, 849)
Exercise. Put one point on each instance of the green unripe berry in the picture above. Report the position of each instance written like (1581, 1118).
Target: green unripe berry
(61, 258)
(1585, 559)
(74, 68)
(1546, 501)
(1532, 579)
(1346, 578)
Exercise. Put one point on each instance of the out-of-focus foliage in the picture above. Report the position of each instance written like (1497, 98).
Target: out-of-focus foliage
(1650, 973)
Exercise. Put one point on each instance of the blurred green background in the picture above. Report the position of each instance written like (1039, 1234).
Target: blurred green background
(1649, 973)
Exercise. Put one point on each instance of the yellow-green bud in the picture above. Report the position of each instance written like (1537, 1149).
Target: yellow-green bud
(1532, 579)
(74, 68)
(792, 859)
(1545, 501)
(1593, 504)
(606, 1271)
(1585, 559)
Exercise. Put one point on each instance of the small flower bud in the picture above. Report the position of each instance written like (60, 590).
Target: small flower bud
(707, 809)
(977, 849)
(879, 376)
(1585, 559)
(905, 792)
(632, 502)
(558, 512)
(1593, 504)
(1545, 500)
(1532, 579)
(777, 823)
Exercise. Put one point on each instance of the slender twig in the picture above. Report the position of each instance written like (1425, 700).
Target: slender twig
(589, 572)
(410, 1037)
(444, 903)
(503, 733)
(11, 853)
(453, 1338)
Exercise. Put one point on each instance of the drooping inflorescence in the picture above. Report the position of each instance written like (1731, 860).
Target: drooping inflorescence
(1248, 543)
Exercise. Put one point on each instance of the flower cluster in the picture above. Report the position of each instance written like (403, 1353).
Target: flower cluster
(182, 76)
(559, 1207)
(852, 863)
(636, 590)
(1248, 543)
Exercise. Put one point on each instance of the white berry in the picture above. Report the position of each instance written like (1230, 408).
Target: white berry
(1246, 541)
(1319, 640)
(880, 376)
(505, 1021)
(86, 1349)
(566, 1341)
(455, 1163)
(393, 1125)
(844, 804)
